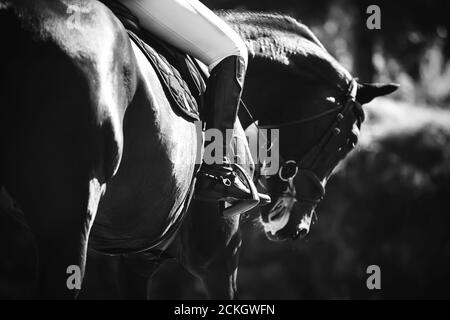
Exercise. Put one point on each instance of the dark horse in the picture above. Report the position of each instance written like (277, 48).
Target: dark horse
(87, 134)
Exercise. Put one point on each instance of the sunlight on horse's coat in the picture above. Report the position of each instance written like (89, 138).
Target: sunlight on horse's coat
(283, 39)
(172, 129)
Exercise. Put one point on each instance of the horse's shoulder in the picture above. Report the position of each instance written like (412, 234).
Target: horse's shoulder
(83, 41)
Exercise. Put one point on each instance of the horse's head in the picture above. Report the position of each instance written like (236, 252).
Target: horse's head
(310, 149)
(316, 105)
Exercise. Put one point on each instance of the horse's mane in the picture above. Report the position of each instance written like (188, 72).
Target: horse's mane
(254, 25)
(282, 39)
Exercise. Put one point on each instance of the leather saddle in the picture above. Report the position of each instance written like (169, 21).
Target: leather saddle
(179, 74)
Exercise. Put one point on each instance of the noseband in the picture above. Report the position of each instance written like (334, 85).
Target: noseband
(332, 147)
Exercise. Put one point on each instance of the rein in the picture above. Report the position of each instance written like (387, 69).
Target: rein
(302, 121)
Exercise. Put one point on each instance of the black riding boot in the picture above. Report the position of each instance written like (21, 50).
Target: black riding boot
(219, 182)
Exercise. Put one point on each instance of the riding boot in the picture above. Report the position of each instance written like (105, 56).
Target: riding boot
(219, 181)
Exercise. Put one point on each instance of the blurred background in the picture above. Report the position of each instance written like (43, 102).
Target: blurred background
(389, 203)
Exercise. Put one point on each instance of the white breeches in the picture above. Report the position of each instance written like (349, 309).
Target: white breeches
(191, 27)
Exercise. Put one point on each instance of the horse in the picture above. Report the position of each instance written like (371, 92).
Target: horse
(78, 101)
(88, 135)
(310, 86)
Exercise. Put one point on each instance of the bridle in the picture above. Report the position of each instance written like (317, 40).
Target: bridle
(331, 148)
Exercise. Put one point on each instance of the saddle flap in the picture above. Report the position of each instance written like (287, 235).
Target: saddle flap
(174, 85)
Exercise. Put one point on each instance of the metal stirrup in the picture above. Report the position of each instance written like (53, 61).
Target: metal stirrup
(242, 206)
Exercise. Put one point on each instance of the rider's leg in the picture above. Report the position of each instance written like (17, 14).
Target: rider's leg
(193, 28)
(190, 26)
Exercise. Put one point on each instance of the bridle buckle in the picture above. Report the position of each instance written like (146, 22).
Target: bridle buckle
(290, 173)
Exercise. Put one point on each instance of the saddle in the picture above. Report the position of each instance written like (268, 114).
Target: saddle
(178, 73)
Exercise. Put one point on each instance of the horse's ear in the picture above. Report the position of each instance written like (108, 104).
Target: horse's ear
(369, 91)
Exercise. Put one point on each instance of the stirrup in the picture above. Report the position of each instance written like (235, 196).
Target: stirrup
(243, 206)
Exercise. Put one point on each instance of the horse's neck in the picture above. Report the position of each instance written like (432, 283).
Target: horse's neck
(253, 108)
(261, 97)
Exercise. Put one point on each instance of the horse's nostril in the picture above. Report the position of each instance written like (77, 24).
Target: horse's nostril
(300, 233)
(304, 232)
